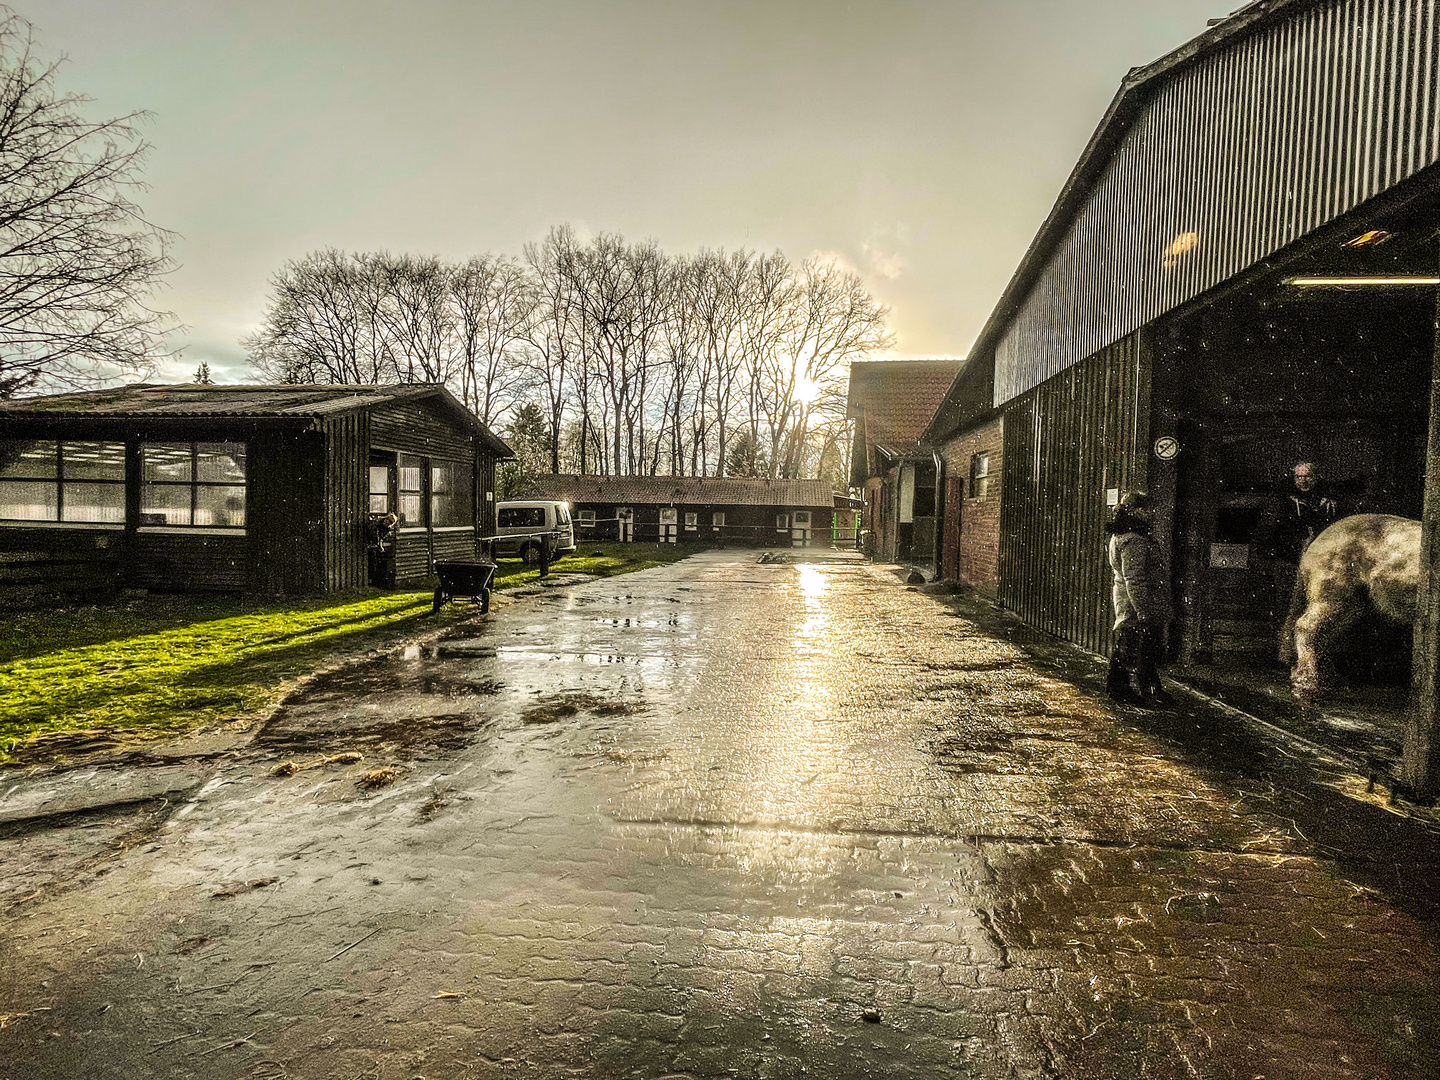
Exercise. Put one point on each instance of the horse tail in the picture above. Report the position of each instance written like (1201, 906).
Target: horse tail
(1298, 601)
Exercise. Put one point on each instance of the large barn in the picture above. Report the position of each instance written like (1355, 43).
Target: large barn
(1238, 277)
(264, 489)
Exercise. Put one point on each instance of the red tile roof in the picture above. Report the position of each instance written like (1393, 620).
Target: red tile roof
(897, 398)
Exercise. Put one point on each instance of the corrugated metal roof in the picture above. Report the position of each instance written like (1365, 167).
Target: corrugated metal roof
(1279, 120)
(695, 490)
(191, 399)
(276, 402)
(897, 399)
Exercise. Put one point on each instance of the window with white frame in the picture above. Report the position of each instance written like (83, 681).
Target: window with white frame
(691, 520)
(979, 475)
(586, 518)
(409, 485)
(782, 522)
(717, 520)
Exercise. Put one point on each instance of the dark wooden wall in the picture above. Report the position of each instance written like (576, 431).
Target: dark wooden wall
(189, 562)
(41, 562)
(286, 513)
(1065, 443)
(346, 502)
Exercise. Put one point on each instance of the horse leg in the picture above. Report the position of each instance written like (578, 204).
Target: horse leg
(1287, 631)
(1325, 617)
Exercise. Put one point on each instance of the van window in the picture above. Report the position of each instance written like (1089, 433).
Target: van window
(521, 517)
(562, 512)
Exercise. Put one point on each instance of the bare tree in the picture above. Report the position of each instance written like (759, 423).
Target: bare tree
(322, 323)
(413, 308)
(491, 300)
(550, 329)
(78, 258)
(837, 321)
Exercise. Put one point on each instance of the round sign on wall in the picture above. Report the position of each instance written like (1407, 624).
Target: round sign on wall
(1167, 448)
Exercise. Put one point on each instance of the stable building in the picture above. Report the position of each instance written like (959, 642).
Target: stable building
(890, 402)
(1238, 276)
(724, 511)
(265, 489)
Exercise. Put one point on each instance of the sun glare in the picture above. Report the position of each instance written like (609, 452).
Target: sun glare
(806, 391)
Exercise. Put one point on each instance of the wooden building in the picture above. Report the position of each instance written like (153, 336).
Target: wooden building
(264, 489)
(1238, 276)
(724, 511)
(891, 401)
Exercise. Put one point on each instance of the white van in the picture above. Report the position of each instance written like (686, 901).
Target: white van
(521, 525)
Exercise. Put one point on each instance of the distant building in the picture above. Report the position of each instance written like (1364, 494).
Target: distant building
(891, 402)
(264, 489)
(719, 510)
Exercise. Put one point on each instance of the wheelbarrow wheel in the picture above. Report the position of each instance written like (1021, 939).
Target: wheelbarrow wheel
(439, 599)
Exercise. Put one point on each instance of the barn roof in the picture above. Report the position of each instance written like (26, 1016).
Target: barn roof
(303, 401)
(666, 490)
(897, 398)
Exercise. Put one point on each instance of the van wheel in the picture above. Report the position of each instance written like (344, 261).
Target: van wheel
(530, 555)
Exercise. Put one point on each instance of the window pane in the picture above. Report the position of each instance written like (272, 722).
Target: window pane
(27, 459)
(220, 506)
(717, 518)
(219, 463)
(166, 461)
(379, 504)
(452, 501)
(93, 461)
(28, 500)
(410, 509)
(94, 502)
(165, 504)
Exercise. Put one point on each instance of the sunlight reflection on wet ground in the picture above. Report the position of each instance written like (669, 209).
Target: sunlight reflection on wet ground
(807, 823)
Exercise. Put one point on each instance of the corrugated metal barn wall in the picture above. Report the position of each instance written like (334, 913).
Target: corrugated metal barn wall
(1065, 444)
(1234, 158)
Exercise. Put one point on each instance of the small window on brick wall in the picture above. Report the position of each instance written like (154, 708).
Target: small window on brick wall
(979, 475)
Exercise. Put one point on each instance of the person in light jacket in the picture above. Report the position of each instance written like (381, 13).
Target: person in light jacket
(1141, 597)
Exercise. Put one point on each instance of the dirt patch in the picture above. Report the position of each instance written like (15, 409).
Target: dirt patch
(406, 738)
(391, 674)
(378, 778)
(549, 710)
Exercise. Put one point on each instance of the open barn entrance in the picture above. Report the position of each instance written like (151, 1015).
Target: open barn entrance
(1280, 374)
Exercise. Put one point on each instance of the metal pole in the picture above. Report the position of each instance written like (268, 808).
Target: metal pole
(1420, 767)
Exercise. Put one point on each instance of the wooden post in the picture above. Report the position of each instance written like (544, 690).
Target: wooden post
(1420, 768)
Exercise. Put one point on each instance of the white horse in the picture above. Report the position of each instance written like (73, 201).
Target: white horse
(1361, 563)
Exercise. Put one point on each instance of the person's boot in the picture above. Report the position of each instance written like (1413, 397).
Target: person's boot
(1117, 685)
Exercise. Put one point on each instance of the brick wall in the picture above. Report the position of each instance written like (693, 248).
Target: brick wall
(979, 517)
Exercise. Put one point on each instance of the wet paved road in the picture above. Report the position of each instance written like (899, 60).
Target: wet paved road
(719, 819)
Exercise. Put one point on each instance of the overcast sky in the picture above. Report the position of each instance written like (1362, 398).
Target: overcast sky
(923, 142)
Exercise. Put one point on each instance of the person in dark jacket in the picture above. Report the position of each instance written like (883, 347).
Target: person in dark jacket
(1141, 597)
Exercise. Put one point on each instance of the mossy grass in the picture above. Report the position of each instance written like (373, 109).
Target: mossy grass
(152, 666)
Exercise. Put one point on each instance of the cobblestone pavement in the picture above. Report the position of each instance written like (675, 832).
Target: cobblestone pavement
(728, 819)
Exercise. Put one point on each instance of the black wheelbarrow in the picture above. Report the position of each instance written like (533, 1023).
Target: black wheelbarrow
(472, 579)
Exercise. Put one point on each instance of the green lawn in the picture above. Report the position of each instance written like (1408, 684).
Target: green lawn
(160, 665)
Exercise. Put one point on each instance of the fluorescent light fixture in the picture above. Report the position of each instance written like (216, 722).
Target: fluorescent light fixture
(1347, 282)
